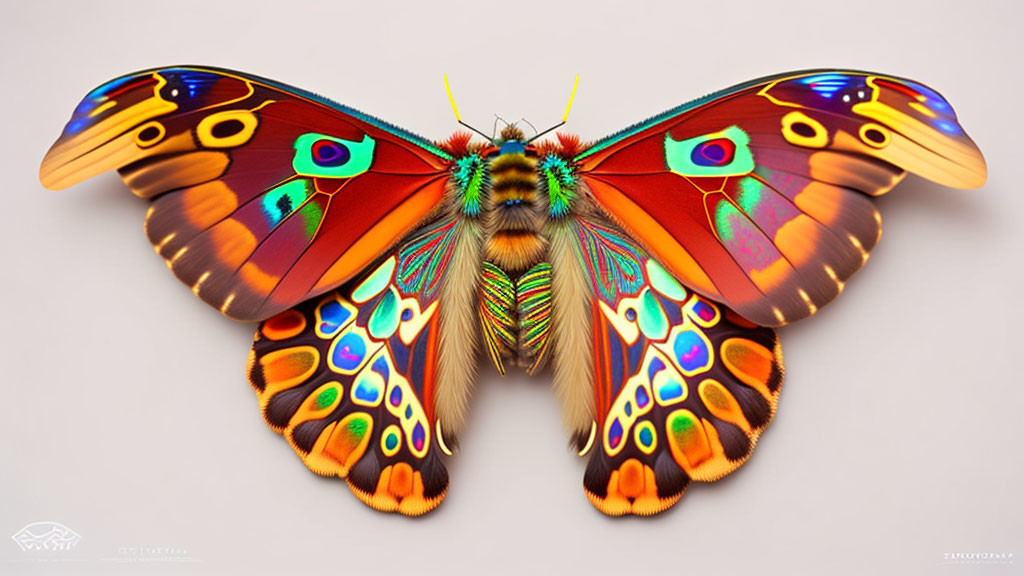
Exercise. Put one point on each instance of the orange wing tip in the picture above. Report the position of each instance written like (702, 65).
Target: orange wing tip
(399, 489)
(633, 489)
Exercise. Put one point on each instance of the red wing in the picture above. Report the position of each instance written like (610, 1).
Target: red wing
(264, 195)
(758, 196)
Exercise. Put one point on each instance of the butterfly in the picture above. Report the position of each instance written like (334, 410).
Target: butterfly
(647, 269)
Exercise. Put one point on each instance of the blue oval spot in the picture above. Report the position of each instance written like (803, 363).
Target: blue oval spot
(333, 315)
(641, 397)
(396, 397)
(348, 352)
(646, 436)
(419, 437)
(391, 441)
(690, 351)
(367, 392)
(615, 434)
(670, 391)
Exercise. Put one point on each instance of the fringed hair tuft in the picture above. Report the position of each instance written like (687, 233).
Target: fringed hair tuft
(457, 144)
(567, 146)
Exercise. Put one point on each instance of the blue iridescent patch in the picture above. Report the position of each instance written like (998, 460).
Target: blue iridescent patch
(646, 436)
(333, 316)
(827, 85)
(348, 352)
(419, 437)
(641, 397)
(669, 391)
(615, 434)
(691, 351)
(367, 392)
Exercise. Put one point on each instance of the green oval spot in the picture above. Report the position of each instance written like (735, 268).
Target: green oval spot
(375, 282)
(326, 398)
(652, 319)
(664, 282)
(385, 319)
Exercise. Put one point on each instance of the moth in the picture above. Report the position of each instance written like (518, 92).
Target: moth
(647, 268)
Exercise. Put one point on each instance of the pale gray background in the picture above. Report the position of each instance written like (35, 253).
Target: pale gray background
(127, 417)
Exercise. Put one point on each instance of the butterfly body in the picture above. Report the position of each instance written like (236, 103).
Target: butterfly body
(514, 208)
(647, 269)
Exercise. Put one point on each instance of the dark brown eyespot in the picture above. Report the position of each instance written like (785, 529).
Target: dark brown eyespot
(803, 129)
(874, 135)
(227, 128)
(151, 133)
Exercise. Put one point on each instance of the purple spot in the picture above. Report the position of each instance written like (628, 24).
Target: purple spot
(419, 437)
(654, 367)
(615, 434)
(717, 152)
(641, 397)
(330, 154)
(396, 397)
(704, 311)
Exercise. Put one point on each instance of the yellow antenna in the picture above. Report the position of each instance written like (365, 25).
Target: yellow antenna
(571, 97)
(564, 117)
(452, 99)
(456, 110)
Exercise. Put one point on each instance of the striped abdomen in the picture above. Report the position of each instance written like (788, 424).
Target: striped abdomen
(515, 214)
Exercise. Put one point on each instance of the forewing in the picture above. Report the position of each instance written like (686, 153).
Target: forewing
(263, 195)
(758, 196)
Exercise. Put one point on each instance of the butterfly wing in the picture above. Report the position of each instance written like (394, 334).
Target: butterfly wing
(263, 195)
(682, 387)
(351, 379)
(758, 196)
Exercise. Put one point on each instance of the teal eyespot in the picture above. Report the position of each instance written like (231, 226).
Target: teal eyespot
(329, 157)
(724, 153)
